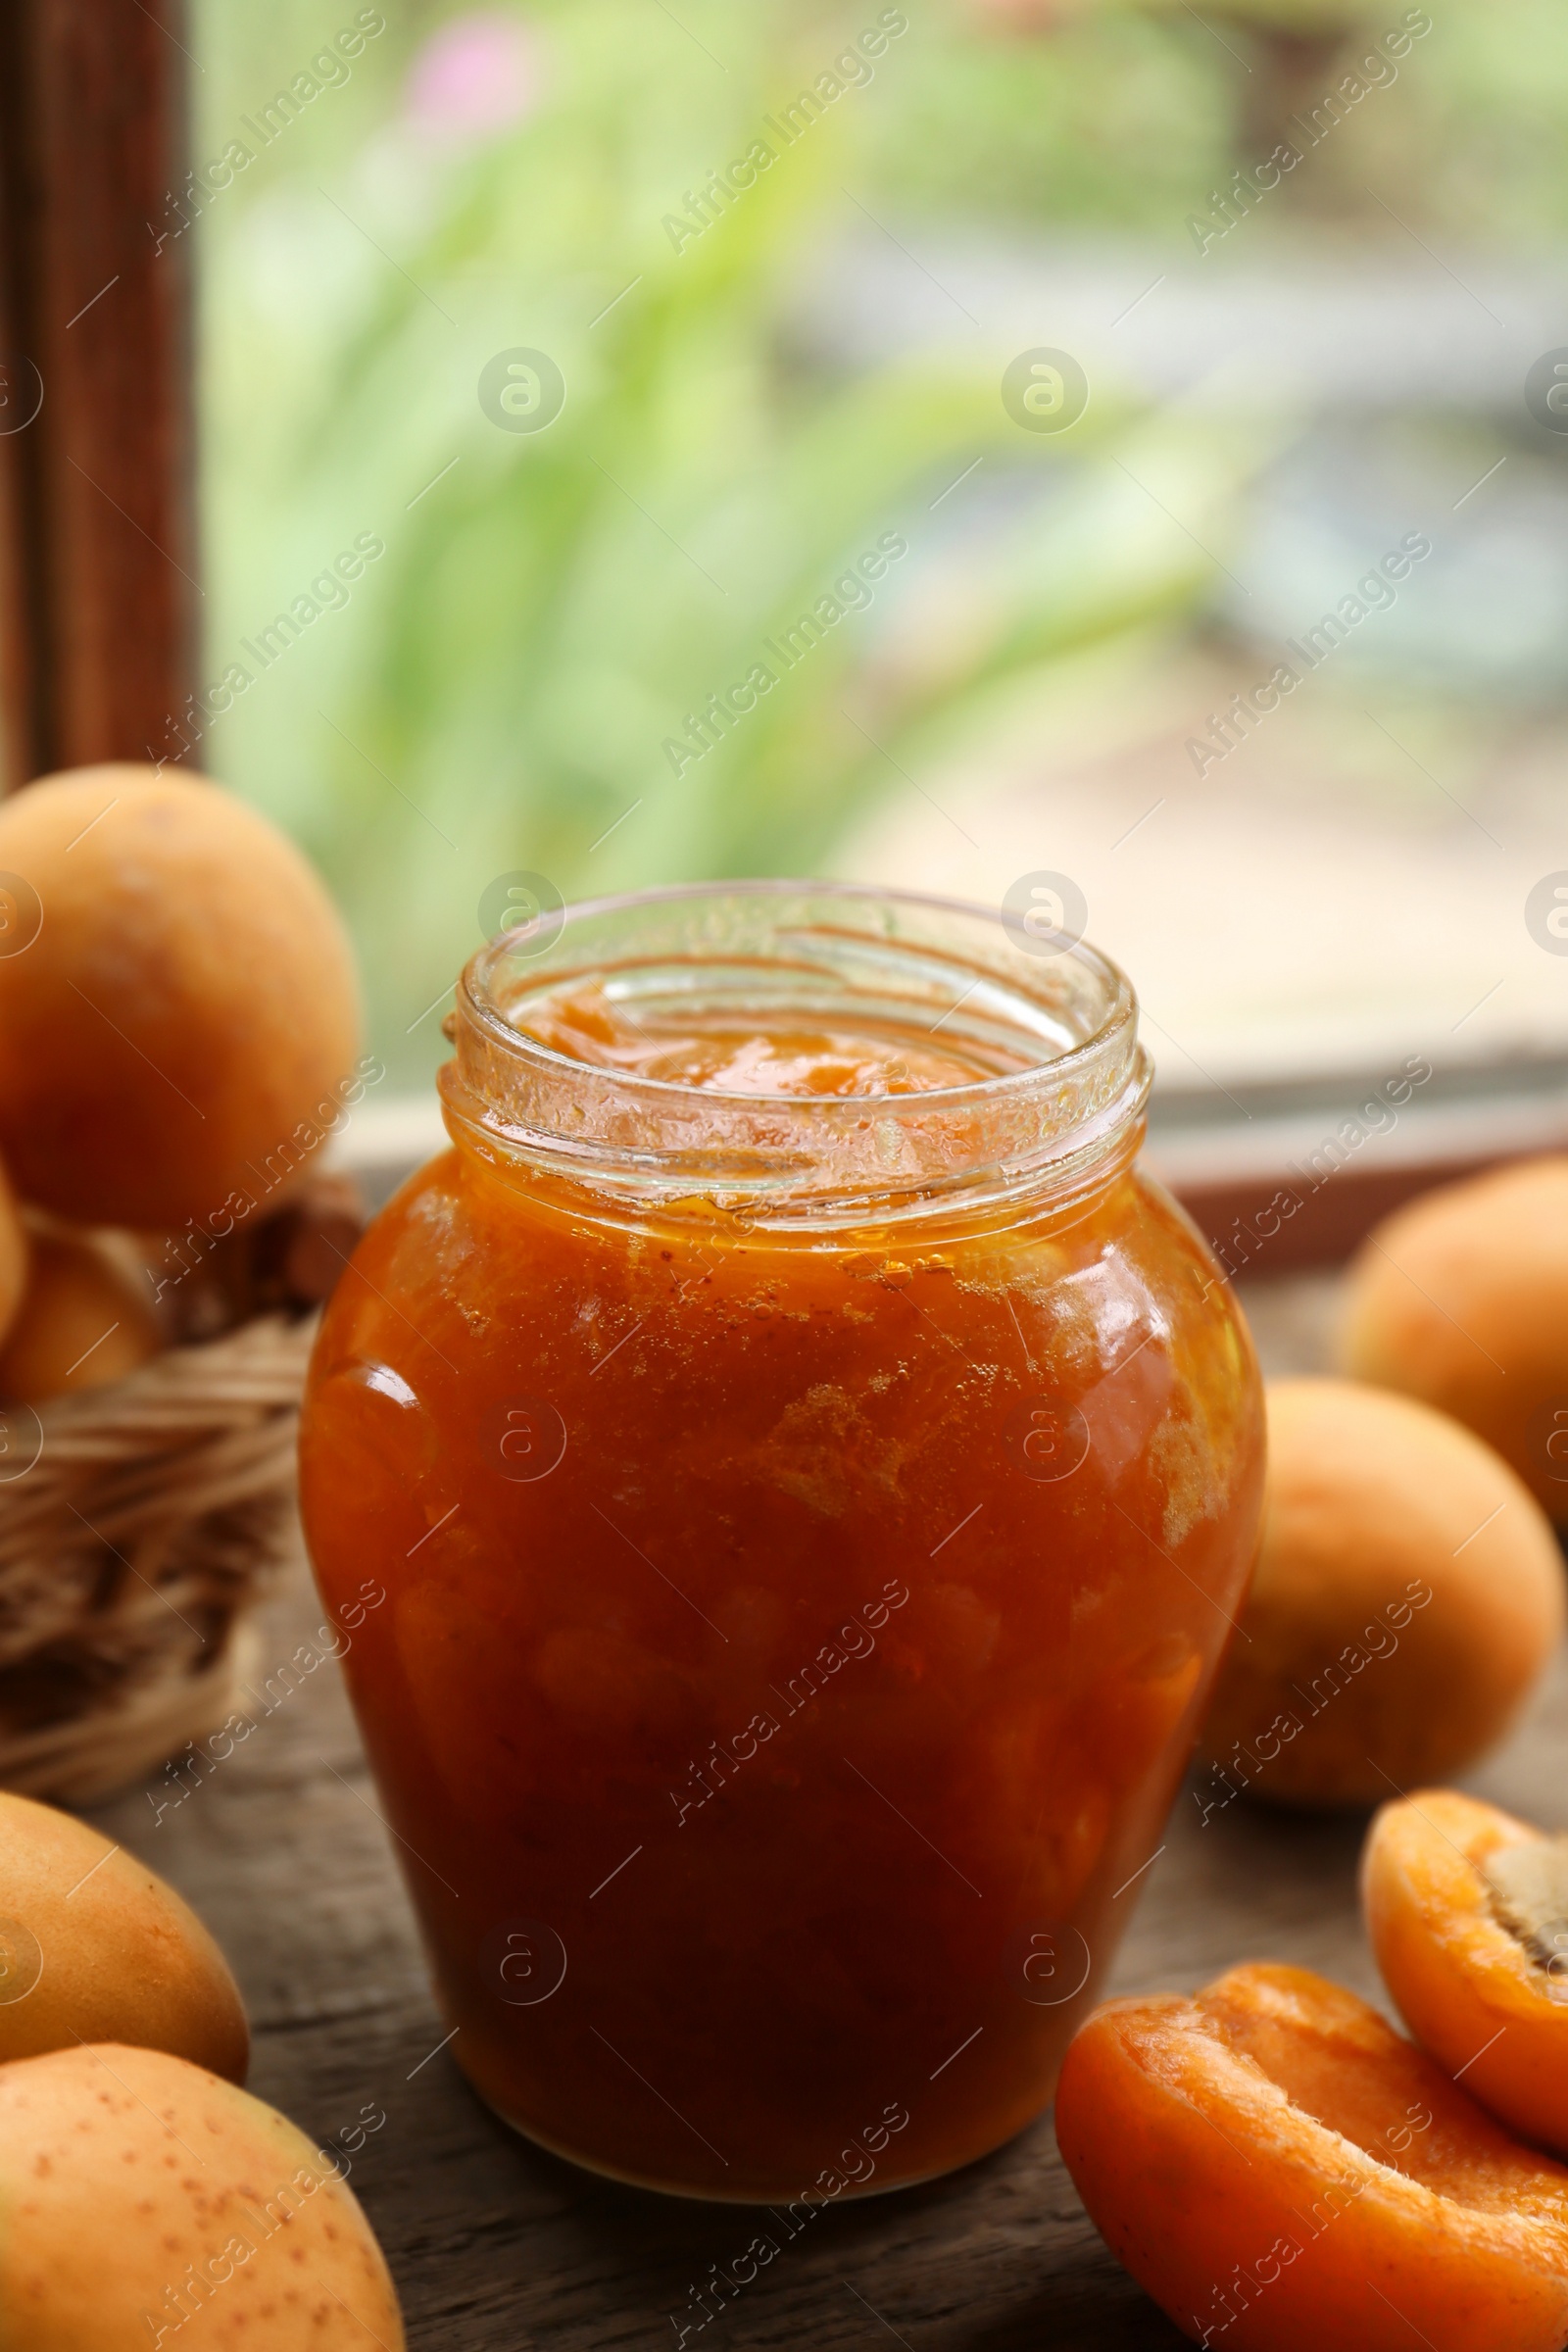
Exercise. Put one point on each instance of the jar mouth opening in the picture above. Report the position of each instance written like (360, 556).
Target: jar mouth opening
(1047, 1024)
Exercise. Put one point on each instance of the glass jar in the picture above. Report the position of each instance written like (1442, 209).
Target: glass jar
(812, 1474)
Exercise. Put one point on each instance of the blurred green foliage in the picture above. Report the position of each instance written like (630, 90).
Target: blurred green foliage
(500, 688)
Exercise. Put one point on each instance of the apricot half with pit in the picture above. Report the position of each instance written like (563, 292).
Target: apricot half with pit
(1409, 1596)
(179, 1009)
(1283, 2173)
(147, 2202)
(1467, 1909)
(1461, 1298)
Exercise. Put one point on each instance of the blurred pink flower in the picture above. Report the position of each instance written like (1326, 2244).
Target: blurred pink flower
(476, 75)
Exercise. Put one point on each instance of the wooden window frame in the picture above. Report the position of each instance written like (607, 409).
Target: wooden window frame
(99, 569)
(1273, 1177)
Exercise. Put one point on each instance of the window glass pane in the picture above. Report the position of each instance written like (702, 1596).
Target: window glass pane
(949, 448)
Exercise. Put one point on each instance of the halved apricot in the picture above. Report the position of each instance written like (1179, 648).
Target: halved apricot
(1468, 1914)
(1283, 2173)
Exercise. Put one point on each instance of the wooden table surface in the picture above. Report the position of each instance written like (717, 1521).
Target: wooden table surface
(497, 2246)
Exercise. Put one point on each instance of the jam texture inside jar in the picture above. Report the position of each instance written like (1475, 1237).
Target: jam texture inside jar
(812, 1474)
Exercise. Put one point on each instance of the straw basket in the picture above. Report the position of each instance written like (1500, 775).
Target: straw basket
(140, 1525)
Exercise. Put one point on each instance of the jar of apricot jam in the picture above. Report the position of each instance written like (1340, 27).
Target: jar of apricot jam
(814, 1473)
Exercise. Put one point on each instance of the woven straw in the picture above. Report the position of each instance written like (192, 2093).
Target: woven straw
(157, 1515)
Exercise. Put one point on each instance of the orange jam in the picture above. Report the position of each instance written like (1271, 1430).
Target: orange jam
(745, 1059)
(813, 1474)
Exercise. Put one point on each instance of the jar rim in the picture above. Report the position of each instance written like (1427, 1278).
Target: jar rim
(1068, 1007)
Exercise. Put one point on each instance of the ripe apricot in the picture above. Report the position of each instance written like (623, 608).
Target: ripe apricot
(1467, 1909)
(1461, 1298)
(12, 1254)
(1409, 1596)
(82, 1323)
(1283, 2173)
(148, 2202)
(95, 1948)
(178, 1002)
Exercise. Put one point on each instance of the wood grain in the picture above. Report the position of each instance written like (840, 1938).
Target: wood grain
(98, 589)
(497, 2246)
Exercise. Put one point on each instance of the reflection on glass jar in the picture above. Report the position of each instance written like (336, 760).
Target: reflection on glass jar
(815, 1474)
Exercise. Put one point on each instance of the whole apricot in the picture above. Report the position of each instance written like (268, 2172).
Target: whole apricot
(1467, 1910)
(1409, 1596)
(12, 1254)
(95, 1948)
(82, 1323)
(179, 1009)
(1283, 2173)
(147, 2202)
(1461, 1298)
